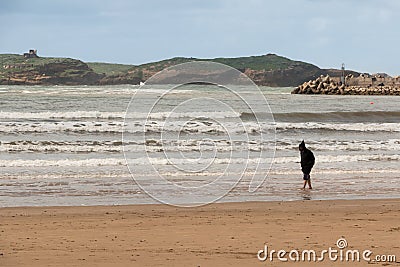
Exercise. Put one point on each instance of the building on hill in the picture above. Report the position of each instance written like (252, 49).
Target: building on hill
(32, 54)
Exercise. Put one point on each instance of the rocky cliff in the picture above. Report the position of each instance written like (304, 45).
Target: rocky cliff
(15, 69)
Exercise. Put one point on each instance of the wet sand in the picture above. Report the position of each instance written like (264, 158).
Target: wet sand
(228, 234)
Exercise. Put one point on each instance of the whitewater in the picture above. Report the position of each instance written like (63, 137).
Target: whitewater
(70, 145)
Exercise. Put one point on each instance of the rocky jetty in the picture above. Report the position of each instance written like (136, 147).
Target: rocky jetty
(362, 85)
(322, 85)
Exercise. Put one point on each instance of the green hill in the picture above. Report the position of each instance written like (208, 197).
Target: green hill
(264, 62)
(109, 68)
(269, 70)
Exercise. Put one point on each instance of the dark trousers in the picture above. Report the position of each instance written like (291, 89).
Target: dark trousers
(306, 172)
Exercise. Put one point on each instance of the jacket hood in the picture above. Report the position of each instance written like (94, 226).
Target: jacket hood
(302, 144)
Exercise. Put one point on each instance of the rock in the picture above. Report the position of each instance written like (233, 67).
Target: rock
(296, 90)
(315, 90)
(327, 85)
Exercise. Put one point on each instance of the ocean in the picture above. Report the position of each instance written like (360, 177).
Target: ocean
(101, 145)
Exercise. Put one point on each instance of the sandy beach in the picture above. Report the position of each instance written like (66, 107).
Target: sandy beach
(228, 234)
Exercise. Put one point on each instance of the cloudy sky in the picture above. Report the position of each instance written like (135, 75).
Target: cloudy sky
(363, 34)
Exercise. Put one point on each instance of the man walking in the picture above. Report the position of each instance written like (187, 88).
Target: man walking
(307, 163)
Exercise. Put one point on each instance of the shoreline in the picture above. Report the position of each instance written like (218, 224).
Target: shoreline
(205, 205)
(223, 234)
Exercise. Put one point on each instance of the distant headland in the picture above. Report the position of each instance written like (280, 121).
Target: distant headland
(266, 70)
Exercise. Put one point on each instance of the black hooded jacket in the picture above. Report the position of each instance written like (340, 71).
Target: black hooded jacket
(307, 160)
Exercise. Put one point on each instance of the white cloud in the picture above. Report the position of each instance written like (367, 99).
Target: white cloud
(324, 32)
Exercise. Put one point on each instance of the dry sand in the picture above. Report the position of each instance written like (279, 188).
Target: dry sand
(214, 235)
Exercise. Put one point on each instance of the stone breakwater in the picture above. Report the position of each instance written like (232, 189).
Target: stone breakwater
(363, 85)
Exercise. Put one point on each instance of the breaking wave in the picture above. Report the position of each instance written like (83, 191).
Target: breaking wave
(165, 161)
